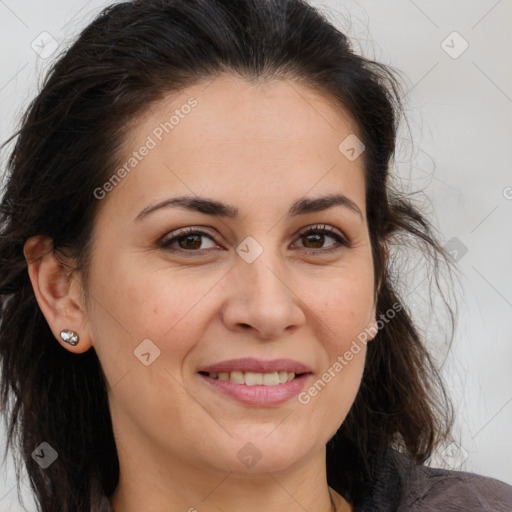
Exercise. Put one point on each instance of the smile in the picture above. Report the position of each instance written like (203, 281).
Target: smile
(253, 378)
(256, 389)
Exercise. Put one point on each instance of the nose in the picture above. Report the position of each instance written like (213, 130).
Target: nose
(262, 298)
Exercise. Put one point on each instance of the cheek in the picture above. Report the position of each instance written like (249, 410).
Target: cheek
(135, 303)
(343, 310)
(342, 315)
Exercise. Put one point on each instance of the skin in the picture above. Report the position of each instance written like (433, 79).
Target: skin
(258, 146)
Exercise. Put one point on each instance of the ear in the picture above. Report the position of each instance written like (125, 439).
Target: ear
(57, 290)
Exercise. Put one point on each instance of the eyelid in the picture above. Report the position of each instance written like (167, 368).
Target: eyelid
(323, 228)
(182, 232)
(327, 230)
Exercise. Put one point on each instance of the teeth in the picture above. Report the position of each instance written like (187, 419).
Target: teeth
(270, 379)
(283, 377)
(254, 379)
(237, 377)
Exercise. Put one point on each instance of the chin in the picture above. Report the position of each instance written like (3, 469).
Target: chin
(255, 454)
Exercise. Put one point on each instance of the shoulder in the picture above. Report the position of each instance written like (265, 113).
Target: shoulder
(399, 485)
(426, 489)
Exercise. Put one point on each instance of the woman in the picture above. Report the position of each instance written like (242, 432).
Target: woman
(199, 311)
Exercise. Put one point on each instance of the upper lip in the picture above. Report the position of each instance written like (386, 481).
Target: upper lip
(250, 364)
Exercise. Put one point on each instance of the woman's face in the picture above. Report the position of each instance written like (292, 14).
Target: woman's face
(163, 306)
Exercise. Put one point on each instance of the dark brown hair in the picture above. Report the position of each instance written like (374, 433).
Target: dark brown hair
(129, 57)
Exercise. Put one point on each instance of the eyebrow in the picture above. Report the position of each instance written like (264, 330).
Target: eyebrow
(219, 209)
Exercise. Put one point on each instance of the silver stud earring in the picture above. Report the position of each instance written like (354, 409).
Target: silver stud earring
(69, 336)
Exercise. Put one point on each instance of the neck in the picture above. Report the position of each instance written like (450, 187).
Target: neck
(164, 486)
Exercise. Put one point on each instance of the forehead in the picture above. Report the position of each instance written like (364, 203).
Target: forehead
(228, 137)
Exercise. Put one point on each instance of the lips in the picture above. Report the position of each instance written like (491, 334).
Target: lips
(253, 381)
(256, 366)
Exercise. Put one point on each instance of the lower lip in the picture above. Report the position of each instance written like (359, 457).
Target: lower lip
(259, 396)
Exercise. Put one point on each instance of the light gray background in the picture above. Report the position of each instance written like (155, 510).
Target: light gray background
(460, 114)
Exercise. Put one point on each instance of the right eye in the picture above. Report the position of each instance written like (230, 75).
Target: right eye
(189, 240)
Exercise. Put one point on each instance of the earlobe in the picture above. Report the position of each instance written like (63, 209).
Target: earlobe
(52, 282)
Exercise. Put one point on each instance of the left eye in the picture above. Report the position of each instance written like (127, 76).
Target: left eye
(189, 239)
(317, 234)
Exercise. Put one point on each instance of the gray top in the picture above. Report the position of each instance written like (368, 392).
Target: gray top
(400, 486)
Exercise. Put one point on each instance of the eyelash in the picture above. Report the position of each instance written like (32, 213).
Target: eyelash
(327, 230)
